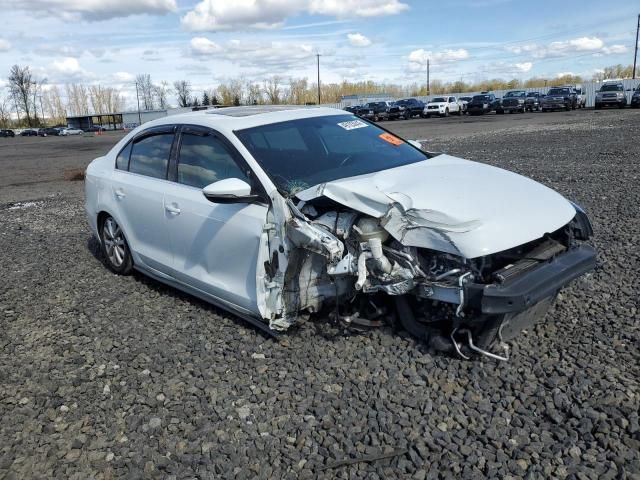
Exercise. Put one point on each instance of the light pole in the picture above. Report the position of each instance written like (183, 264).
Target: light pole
(318, 58)
(635, 54)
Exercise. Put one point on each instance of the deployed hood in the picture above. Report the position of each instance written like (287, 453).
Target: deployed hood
(452, 205)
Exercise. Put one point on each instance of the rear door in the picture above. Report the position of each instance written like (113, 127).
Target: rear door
(138, 186)
(215, 245)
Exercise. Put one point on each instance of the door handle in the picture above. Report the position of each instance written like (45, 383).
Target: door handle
(171, 209)
(120, 193)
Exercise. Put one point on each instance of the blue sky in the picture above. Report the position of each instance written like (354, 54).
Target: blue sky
(207, 41)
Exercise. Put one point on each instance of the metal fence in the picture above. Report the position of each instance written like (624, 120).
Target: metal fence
(589, 89)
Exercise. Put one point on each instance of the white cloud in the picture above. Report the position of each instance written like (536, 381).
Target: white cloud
(68, 69)
(613, 49)
(358, 40)
(567, 48)
(4, 45)
(204, 46)
(92, 10)
(123, 77)
(418, 58)
(215, 15)
(523, 67)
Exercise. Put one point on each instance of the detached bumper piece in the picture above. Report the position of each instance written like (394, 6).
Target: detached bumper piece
(523, 291)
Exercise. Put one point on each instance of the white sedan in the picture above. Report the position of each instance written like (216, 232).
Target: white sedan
(277, 212)
(71, 131)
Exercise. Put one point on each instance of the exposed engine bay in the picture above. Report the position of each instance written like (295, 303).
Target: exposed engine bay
(347, 266)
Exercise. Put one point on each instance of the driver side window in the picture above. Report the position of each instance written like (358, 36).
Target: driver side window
(204, 159)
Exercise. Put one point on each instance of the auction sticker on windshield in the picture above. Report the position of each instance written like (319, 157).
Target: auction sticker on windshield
(352, 125)
(392, 139)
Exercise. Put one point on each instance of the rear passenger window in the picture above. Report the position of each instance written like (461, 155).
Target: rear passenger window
(150, 156)
(122, 161)
(204, 160)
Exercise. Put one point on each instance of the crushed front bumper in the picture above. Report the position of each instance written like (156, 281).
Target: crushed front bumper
(530, 287)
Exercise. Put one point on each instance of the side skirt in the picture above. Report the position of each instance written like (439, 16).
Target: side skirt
(250, 317)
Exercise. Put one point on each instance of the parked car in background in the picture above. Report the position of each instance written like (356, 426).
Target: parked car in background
(483, 103)
(463, 101)
(7, 133)
(442, 106)
(375, 111)
(71, 131)
(581, 96)
(533, 101)
(272, 213)
(409, 107)
(513, 101)
(635, 98)
(49, 131)
(351, 109)
(29, 132)
(95, 128)
(611, 94)
(559, 98)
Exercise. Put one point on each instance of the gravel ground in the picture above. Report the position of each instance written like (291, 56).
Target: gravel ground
(109, 377)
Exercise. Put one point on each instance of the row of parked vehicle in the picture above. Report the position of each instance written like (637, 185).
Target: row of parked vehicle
(567, 97)
(46, 132)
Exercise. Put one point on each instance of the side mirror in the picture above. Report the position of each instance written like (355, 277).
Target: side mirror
(229, 190)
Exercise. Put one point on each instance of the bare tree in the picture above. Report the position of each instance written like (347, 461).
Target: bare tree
(161, 92)
(272, 89)
(77, 99)
(5, 110)
(254, 93)
(24, 89)
(183, 92)
(52, 104)
(298, 89)
(146, 90)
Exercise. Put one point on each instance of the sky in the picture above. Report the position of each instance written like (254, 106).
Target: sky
(207, 41)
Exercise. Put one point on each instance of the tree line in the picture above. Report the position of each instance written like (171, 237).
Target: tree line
(29, 100)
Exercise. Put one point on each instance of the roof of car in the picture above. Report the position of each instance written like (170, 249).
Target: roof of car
(237, 118)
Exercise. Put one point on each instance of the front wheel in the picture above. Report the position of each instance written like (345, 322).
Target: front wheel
(115, 247)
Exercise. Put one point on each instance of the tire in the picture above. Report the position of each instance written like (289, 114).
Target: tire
(598, 106)
(446, 112)
(115, 247)
(407, 116)
(376, 118)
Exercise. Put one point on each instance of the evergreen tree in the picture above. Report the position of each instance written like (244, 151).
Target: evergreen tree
(205, 99)
(214, 100)
(236, 101)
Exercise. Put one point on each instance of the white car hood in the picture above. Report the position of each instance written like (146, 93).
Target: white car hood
(438, 104)
(452, 205)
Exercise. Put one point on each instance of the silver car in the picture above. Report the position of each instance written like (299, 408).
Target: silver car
(279, 213)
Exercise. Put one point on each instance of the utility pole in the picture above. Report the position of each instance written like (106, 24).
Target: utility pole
(318, 58)
(138, 98)
(428, 89)
(41, 108)
(635, 54)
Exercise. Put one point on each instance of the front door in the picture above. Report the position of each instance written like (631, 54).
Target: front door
(215, 246)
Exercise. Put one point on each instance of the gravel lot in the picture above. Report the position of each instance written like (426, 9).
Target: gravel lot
(109, 377)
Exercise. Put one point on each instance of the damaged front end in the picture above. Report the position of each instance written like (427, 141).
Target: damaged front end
(364, 270)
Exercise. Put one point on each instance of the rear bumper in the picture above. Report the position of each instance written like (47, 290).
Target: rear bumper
(531, 287)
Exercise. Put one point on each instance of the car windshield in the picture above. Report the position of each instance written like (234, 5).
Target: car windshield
(514, 94)
(481, 97)
(438, 99)
(299, 154)
(466, 99)
(532, 94)
(612, 87)
(559, 91)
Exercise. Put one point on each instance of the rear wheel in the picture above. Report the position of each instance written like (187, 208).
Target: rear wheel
(115, 247)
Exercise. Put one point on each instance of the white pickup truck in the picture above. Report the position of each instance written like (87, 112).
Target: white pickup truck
(442, 106)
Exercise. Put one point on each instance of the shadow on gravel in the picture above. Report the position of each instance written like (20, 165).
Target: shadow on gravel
(93, 245)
